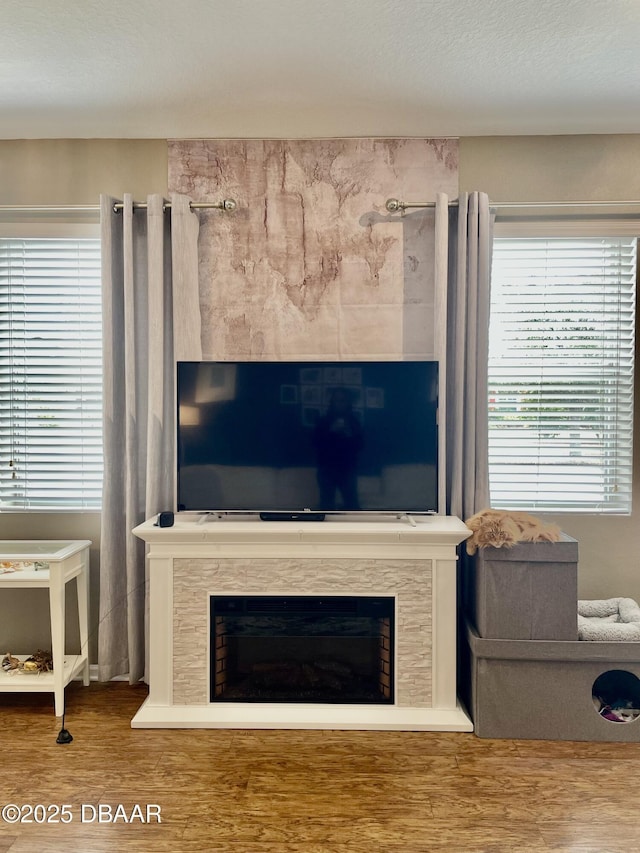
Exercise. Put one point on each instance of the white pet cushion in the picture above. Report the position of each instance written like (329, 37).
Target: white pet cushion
(609, 620)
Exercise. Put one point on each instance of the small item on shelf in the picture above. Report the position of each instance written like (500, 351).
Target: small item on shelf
(8, 566)
(39, 662)
(43, 661)
(9, 662)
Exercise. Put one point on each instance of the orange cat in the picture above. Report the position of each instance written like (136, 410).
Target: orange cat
(502, 529)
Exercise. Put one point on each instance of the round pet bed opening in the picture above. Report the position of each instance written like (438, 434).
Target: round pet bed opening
(616, 696)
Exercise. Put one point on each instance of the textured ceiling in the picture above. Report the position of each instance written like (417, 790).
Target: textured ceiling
(293, 68)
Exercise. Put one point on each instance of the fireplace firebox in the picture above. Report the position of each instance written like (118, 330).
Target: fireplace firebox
(324, 649)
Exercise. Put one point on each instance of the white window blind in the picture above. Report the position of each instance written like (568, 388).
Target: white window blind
(561, 373)
(50, 374)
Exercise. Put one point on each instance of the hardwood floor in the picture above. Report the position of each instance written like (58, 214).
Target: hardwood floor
(304, 791)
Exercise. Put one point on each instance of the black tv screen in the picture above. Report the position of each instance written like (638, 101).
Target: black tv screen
(290, 437)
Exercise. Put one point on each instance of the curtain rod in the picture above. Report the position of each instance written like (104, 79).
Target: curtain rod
(227, 204)
(393, 205)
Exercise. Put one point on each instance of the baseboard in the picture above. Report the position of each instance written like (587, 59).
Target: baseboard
(93, 674)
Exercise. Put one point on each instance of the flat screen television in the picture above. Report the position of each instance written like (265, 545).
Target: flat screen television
(289, 438)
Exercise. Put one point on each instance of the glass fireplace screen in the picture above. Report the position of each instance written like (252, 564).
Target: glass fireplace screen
(335, 649)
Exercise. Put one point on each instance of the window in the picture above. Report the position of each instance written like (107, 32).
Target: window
(561, 373)
(50, 374)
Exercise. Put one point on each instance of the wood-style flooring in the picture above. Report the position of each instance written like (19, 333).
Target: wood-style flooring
(223, 791)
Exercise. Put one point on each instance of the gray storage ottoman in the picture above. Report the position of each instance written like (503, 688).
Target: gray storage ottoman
(528, 592)
(542, 689)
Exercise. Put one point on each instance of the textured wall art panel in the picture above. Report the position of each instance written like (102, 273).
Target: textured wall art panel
(195, 580)
(311, 265)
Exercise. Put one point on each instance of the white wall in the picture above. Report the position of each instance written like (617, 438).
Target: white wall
(76, 171)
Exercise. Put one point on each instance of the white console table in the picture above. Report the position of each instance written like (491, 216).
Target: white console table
(415, 562)
(65, 560)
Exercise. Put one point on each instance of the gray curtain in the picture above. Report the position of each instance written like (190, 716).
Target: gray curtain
(150, 318)
(468, 231)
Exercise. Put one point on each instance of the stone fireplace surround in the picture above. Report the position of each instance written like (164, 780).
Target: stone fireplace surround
(343, 555)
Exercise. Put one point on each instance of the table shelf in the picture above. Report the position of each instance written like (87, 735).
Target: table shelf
(67, 560)
(40, 682)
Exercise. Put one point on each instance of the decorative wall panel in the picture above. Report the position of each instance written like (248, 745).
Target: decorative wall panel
(311, 265)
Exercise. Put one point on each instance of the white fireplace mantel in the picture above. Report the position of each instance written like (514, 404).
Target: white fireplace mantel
(412, 560)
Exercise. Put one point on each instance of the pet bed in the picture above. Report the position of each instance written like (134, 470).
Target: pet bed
(609, 620)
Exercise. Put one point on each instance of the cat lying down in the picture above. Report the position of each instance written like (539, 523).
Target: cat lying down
(503, 529)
